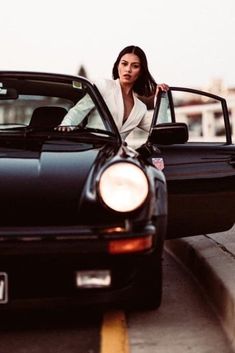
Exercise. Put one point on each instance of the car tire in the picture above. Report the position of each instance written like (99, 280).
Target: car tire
(147, 293)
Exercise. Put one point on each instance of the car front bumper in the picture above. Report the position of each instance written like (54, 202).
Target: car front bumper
(41, 266)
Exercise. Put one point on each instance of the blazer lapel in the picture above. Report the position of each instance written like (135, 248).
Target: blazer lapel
(135, 115)
(119, 104)
(131, 121)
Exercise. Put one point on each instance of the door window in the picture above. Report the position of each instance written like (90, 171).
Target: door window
(203, 114)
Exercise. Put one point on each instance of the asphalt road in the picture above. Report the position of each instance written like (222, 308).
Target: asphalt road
(184, 323)
(54, 332)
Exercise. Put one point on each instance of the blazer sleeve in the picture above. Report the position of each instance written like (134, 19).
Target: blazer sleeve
(77, 113)
(146, 121)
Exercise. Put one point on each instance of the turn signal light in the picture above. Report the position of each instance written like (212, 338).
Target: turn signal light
(123, 246)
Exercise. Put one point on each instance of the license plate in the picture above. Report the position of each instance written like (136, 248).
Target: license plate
(93, 279)
(3, 288)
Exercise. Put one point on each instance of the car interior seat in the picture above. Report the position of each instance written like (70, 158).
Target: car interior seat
(47, 117)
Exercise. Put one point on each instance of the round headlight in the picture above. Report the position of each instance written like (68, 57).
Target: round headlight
(123, 187)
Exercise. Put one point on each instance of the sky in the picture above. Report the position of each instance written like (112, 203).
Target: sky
(187, 42)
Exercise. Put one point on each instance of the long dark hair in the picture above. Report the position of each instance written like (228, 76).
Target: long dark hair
(145, 85)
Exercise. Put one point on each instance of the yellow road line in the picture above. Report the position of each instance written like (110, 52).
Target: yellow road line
(114, 337)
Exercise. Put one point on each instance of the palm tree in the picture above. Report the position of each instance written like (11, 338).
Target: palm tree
(82, 71)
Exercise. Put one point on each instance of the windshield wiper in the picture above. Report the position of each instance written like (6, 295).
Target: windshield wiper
(79, 129)
(12, 127)
(12, 130)
(76, 132)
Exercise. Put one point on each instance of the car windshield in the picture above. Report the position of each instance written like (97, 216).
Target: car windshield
(29, 104)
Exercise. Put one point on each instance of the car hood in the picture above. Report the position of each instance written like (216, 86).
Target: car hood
(43, 183)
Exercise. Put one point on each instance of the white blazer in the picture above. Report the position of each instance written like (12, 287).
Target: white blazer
(112, 94)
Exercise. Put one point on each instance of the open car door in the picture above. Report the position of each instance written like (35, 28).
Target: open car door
(191, 132)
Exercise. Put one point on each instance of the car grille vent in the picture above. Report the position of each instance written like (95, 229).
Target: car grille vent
(43, 238)
(34, 234)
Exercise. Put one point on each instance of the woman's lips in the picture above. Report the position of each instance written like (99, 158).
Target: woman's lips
(127, 76)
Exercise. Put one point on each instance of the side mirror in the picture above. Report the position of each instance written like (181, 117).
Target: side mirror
(169, 134)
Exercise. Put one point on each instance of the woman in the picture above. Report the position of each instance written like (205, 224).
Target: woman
(132, 85)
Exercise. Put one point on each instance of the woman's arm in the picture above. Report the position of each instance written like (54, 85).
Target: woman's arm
(151, 100)
(76, 114)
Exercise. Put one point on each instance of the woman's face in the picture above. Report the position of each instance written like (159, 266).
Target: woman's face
(129, 68)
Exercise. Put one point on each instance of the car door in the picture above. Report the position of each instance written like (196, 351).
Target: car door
(191, 132)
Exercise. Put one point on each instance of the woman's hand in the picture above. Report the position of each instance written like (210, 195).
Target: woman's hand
(163, 86)
(63, 128)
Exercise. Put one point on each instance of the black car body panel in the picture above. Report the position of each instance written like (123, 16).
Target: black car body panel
(36, 178)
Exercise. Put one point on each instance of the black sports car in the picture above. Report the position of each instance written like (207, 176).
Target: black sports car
(83, 215)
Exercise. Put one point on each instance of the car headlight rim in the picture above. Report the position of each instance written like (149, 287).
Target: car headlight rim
(123, 187)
